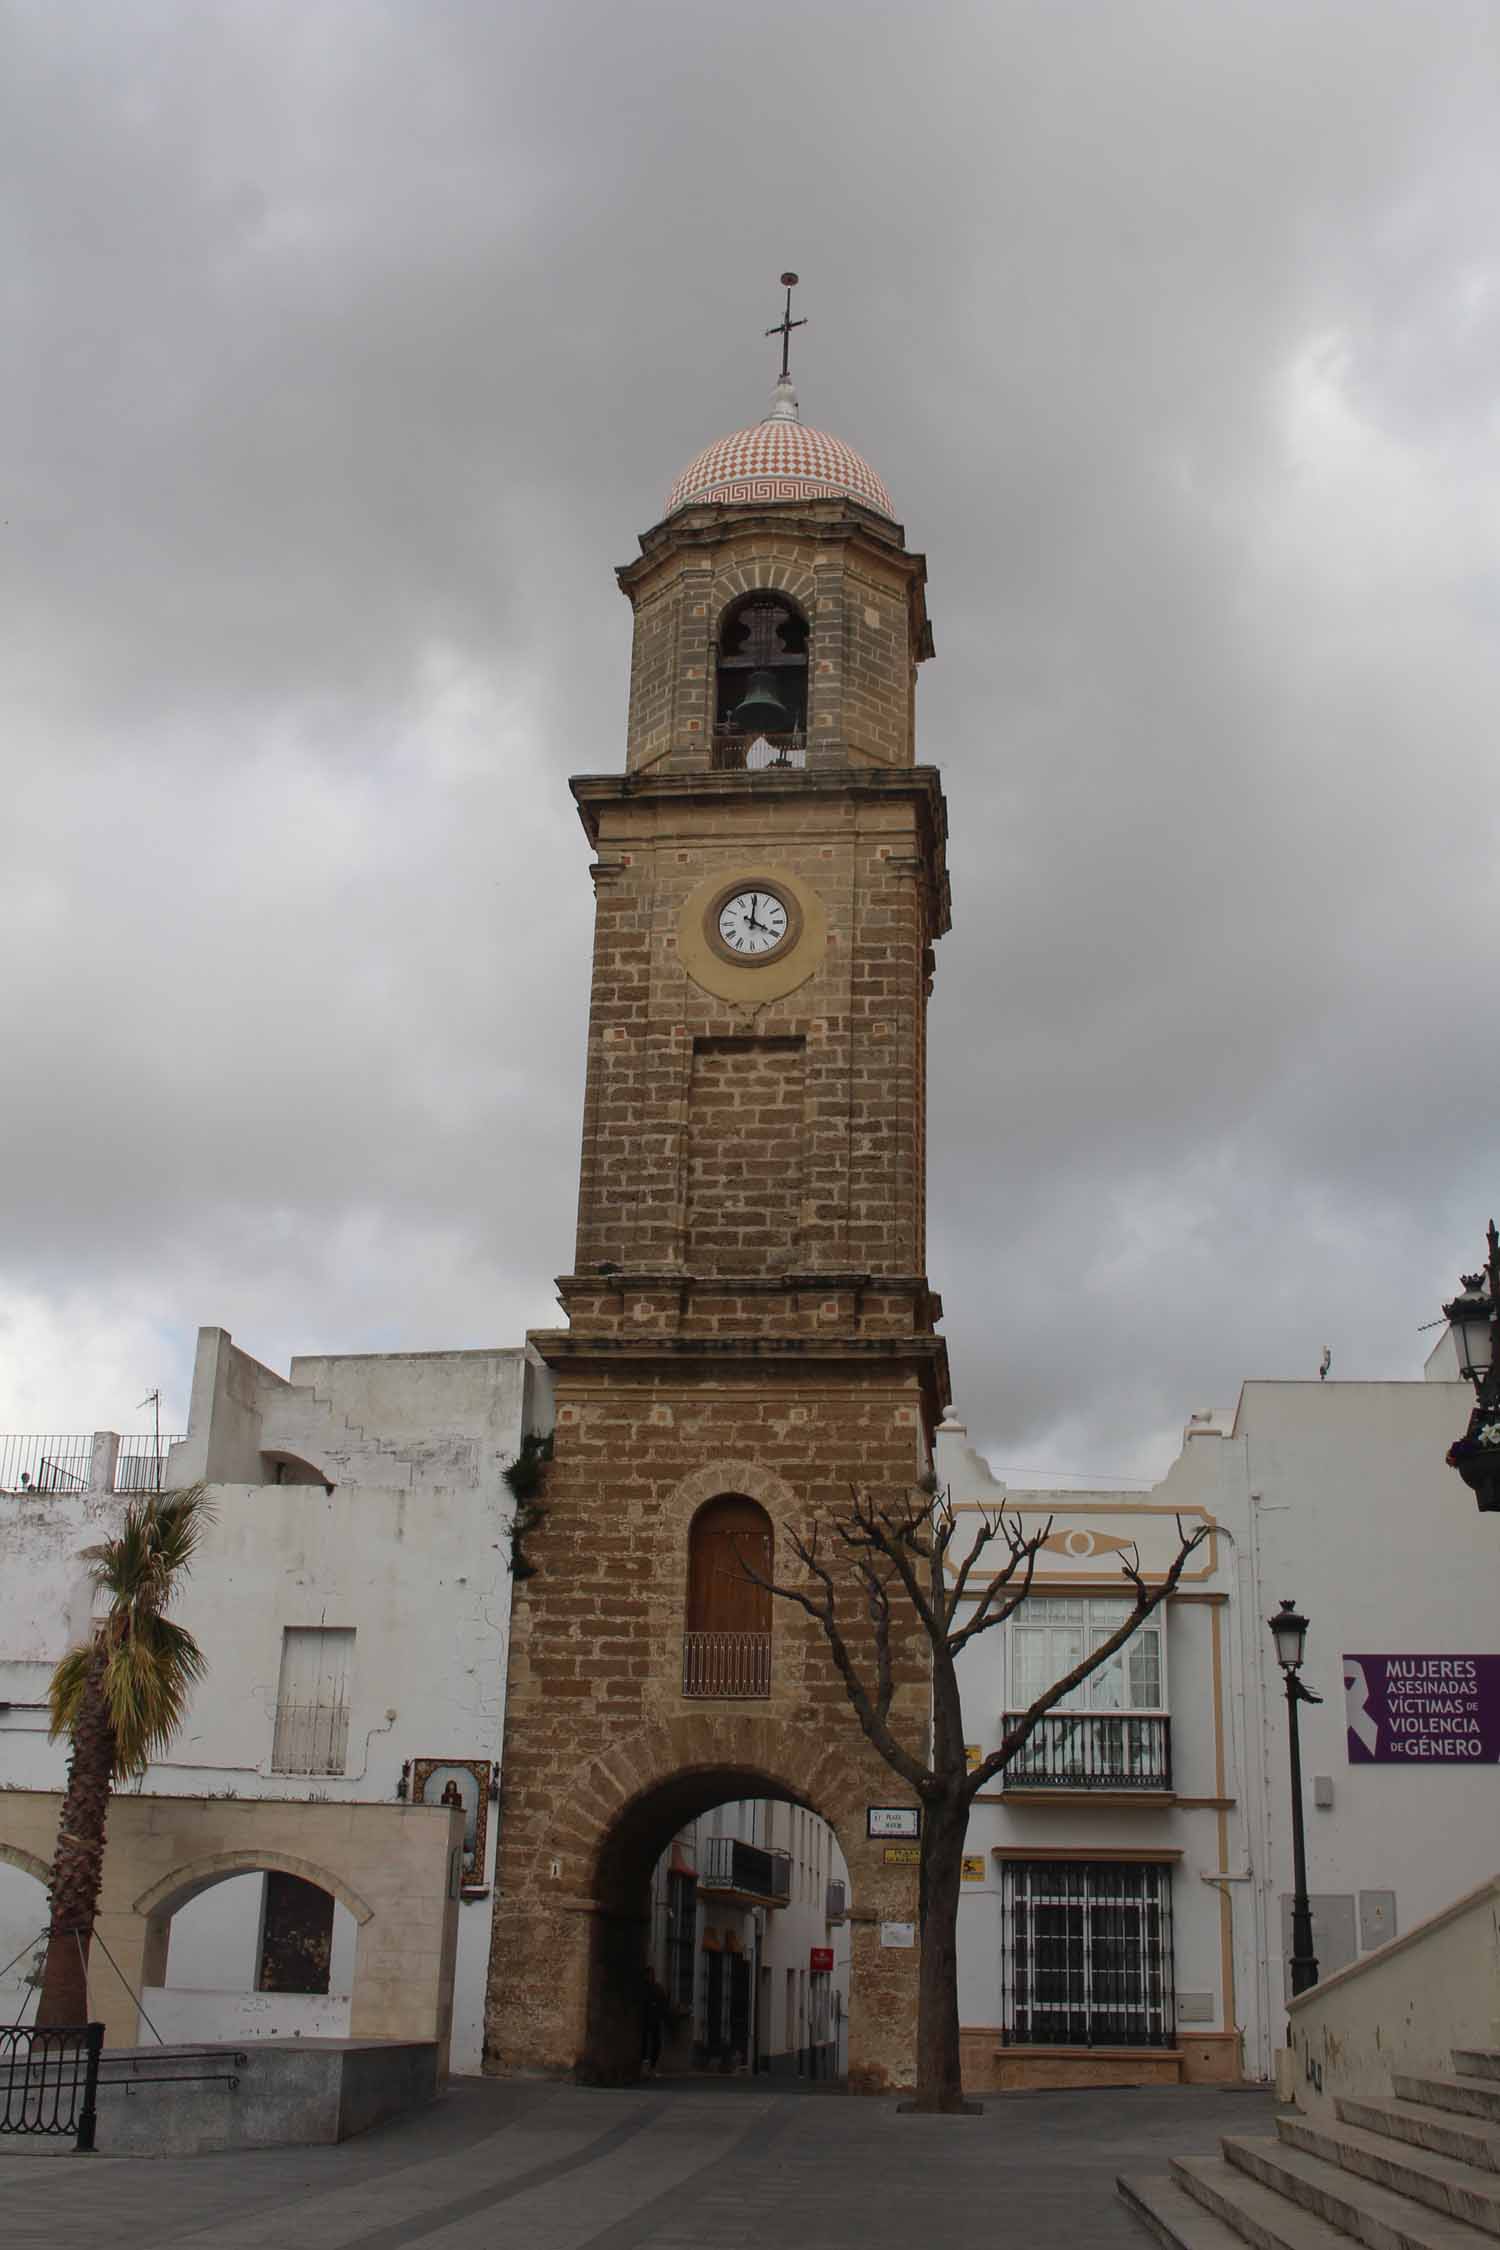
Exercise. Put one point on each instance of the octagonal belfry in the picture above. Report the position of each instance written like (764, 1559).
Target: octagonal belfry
(750, 1330)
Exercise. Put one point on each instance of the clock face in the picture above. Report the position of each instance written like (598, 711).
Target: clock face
(752, 923)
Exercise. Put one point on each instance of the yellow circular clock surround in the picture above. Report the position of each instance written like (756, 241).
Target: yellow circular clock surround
(771, 976)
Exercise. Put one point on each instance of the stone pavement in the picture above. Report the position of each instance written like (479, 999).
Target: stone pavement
(679, 2165)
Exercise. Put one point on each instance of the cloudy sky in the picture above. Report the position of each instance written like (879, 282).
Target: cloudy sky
(350, 346)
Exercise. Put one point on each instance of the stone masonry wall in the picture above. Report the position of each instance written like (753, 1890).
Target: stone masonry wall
(745, 1153)
(853, 584)
(858, 1016)
(597, 1725)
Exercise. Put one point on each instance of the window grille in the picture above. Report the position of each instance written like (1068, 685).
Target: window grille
(1087, 1954)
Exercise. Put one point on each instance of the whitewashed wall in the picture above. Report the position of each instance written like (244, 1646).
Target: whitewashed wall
(410, 1549)
(1336, 1495)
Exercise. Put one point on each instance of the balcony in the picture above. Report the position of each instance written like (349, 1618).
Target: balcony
(753, 753)
(90, 1462)
(724, 1664)
(732, 1870)
(1092, 1753)
(836, 1903)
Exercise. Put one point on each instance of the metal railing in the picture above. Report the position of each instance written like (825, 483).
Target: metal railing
(1092, 1750)
(836, 1903)
(45, 1464)
(49, 2080)
(72, 1463)
(729, 1865)
(163, 2066)
(310, 1738)
(726, 1663)
(142, 1465)
(753, 753)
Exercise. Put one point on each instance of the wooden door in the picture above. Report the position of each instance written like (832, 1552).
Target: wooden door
(721, 1599)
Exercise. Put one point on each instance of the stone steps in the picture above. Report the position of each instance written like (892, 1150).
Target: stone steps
(1460, 2191)
(1447, 2132)
(1471, 2097)
(1378, 2216)
(1415, 2170)
(1166, 2210)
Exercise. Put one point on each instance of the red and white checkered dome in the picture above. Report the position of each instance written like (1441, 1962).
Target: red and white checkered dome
(779, 459)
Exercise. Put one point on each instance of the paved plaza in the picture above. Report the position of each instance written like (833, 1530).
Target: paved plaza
(675, 2166)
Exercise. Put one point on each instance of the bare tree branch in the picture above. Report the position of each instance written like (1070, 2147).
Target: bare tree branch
(1147, 1599)
(1023, 1552)
(873, 1715)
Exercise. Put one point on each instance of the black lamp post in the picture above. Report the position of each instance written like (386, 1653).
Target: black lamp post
(1471, 1316)
(1289, 1632)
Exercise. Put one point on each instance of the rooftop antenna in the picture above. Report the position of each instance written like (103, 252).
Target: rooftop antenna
(785, 325)
(153, 1399)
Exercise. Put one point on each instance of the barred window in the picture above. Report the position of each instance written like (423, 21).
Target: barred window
(1087, 1954)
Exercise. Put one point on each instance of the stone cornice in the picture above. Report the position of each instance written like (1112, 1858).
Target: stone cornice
(793, 784)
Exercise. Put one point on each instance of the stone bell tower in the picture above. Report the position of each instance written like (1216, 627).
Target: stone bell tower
(750, 1325)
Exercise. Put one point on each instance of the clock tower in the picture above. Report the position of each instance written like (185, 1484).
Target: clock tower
(750, 1331)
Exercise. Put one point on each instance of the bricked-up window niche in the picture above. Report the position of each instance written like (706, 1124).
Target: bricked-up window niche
(745, 1132)
(726, 1647)
(761, 690)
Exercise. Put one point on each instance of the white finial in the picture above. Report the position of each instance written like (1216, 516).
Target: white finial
(784, 407)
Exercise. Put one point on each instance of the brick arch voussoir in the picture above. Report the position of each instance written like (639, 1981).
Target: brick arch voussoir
(758, 575)
(175, 1889)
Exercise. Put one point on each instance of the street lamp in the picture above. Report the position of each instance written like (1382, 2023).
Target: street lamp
(1289, 1632)
(1471, 1316)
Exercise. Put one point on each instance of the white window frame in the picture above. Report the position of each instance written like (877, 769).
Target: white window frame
(1089, 1619)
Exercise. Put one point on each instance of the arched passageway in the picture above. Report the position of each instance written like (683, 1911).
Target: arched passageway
(262, 1953)
(715, 1931)
(573, 1931)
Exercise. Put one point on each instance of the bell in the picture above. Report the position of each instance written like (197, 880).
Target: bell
(762, 710)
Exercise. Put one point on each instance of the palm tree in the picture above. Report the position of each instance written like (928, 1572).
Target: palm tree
(120, 1698)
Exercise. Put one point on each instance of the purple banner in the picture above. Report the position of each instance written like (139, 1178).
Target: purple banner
(1422, 1709)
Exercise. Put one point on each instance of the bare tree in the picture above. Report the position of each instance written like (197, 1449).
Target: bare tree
(898, 1554)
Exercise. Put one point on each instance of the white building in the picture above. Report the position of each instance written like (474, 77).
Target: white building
(750, 1941)
(1127, 1911)
(353, 1601)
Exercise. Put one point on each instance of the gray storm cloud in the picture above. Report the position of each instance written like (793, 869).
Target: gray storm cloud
(350, 347)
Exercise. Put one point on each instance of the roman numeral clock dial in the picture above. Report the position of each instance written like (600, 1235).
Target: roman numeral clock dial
(753, 923)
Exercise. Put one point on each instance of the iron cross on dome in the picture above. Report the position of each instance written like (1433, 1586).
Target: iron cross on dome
(786, 324)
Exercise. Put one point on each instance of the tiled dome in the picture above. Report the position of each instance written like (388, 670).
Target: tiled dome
(780, 459)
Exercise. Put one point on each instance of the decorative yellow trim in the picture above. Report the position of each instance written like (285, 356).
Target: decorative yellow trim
(1137, 1854)
(779, 973)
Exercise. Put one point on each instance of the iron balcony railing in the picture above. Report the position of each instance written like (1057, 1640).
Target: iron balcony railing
(1092, 1750)
(729, 1865)
(142, 1465)
(753, 753)
(49, 2081)
(74, 1463)
(45, 1464)
(726, 1664)
(836, 1903)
